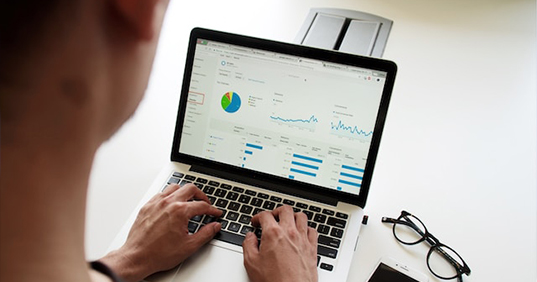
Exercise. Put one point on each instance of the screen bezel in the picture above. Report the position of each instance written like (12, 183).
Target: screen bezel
(388, 67)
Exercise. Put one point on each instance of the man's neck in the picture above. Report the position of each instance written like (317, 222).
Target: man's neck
(43, 186)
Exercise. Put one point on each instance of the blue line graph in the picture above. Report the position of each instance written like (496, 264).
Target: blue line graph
(312, 119)
(351, 129)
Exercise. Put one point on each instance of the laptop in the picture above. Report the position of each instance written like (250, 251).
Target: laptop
(262, 124)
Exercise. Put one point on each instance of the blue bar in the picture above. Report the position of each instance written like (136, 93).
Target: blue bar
(303, 172)
(352, 168)
(339, 188)
(349, 183)
(248, 152)
(350, 175)
(305, 165)
(244, 158)
(307, 158)
(254, 146)
(291, 177)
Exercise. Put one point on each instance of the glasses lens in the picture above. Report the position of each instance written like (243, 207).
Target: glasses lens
(410, 230)
(444, 262)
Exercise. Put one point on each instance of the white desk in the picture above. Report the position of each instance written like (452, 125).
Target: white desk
(459, 147)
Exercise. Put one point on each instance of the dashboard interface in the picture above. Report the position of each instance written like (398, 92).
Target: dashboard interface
(288, 116)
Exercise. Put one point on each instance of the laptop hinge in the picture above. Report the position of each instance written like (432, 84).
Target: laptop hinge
(286, 189)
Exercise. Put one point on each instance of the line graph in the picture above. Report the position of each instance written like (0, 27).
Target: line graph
(349, 131)
(298, 122)
(312, 119)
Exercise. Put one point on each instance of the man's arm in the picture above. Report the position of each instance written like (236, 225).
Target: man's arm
(162, 223)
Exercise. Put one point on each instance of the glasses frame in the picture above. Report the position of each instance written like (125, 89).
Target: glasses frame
(436, 245)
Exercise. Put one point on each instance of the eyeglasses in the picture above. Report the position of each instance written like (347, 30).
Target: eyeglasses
(442, 260)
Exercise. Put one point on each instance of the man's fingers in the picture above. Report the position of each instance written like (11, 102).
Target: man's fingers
(170, 189)
(198, 207)
(205, 234)
(301, 222)
(264, 219)
(312, 237)
(189, 192)
(286, 216)
(250, 248)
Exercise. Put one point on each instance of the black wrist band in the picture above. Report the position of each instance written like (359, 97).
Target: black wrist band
(102, 268)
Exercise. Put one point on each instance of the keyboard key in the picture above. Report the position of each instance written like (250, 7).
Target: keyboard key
(228, 237)
(331, 242)
(312, 224)
(250, 192)
(315, 209)
(328, 212)
(199, 185)
(289, 202)
(202, 180)
(256, 202)
(245, 229)
(245, 219)
(223, 213)
(326, 266)
(321, 218)
(340, 223)
(269, 205)
(263, 196)
(245, 199)
(318, 260)
(197, 218)
(276, 199)
(223, 222)
(308, 214)
(323, 229)
(192, 226)
(184, 182)
(232, 196)
(173, 180)
(208, 219)
(233, 226)
(220, 193)
(256, 211)
(225, 186)
(232, 216)
(214, 183)
(209, 190)
(211, 199)
(178, 174)
(258, 232)
(327, 252)
(190, 177)
(234, 206)
(238, 189)
(301, 205)
(245, 209)
(342, 215)
(221, 203)
(338, 233)
(296, 209)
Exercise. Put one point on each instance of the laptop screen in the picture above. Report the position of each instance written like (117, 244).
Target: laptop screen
(289, 116)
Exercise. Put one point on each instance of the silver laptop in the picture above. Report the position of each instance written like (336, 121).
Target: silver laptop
(263, 124)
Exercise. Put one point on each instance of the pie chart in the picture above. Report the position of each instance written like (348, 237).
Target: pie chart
(231, 102)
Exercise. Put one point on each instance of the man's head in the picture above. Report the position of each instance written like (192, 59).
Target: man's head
(74, 63)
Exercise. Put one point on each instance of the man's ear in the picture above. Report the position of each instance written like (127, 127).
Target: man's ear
(140, 16)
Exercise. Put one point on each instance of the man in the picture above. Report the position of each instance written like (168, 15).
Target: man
(72, 72)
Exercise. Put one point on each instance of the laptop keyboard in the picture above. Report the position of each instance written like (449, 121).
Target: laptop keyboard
(239, 205)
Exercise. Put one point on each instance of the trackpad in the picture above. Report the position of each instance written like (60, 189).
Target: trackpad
(213, 263)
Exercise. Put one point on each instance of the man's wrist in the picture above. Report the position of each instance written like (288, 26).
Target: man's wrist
(124, 264)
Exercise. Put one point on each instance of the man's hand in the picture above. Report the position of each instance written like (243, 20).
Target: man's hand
(159, 239)
(288, 250)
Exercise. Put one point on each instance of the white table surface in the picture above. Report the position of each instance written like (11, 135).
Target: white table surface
(459, 146)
